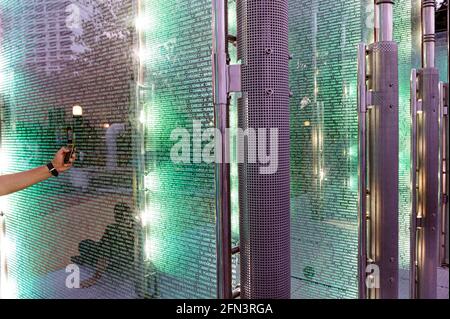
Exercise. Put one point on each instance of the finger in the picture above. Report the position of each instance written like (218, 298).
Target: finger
(62, 151)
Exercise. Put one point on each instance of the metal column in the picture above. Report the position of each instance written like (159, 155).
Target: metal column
(378, 160)
(444, 218)
(226, 79)
(425, 164)
(264, 198)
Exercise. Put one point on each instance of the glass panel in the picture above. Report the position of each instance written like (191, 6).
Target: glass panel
(125, 201)
(180, 205)
(442, 55)
(323, 40)
(56, 55)
(142, 93)
(407, 34)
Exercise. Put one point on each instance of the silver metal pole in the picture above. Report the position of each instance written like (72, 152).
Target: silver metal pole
(443, 110)
(384, 12)
(413, 232)
(222, 166)
(425, 225)
(428, 33)
(382, 144)
(362, 191)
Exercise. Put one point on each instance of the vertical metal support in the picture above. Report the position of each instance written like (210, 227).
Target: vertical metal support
(3, 256)
(384, 20)
(362, 152)
(222, 166)
(425, 168)
(378, 166)
(428, 33)
(443, 128)
(413, 231)
(383, 171)
(444, 125)
(264, 195)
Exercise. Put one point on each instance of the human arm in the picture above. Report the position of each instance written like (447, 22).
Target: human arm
(100, 269)
(16, 182)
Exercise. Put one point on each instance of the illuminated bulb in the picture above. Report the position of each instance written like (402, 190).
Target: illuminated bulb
(106, 125)
(151, 182)
(142, 117)
(8, 289)
(77, 110)
(151, 248)
(144, 23)
(346, 91)
(352, 182)
(322, 174)
(352, 151)
(307, 123)
(142, 54)
(151, 215)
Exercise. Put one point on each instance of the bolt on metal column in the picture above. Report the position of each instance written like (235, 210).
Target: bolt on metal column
(425, 164)
(378, 159)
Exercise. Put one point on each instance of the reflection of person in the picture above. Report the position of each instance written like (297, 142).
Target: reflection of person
(15, 182)
(115, 250)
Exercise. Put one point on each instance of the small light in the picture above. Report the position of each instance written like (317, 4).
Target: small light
(151, 249)
(151, 182)
(106, 125)
(77, 110)
(307, 123)
(142, 117)
(150, 216)
(144, 23)
(322, 175)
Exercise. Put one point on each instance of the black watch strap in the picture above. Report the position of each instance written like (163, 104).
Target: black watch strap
(52, 169)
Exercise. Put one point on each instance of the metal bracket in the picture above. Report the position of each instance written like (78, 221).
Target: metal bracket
(419, 222)
(414, 219)
(419, 106)
(369, 99)
(234, 78)
(362, 187)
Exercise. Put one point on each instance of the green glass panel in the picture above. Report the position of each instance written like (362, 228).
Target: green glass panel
(55, 55)
(180, 204)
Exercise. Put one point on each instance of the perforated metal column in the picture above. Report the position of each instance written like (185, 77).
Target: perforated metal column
(264, 198)
(383, 166)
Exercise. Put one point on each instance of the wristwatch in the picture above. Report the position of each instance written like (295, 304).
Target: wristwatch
(52, 169)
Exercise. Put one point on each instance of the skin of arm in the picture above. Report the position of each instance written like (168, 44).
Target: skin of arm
(16, 182)
(102, 263)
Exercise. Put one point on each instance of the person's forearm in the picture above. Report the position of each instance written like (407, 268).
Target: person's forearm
(102, 264)
(15, 182)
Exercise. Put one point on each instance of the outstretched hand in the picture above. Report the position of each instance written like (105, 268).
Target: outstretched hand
(58, 160)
